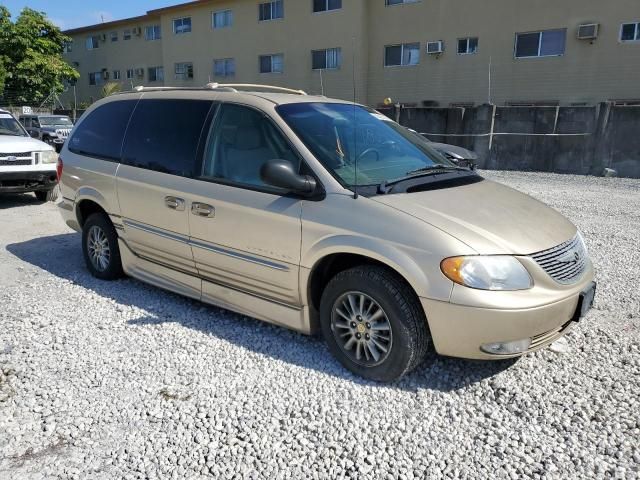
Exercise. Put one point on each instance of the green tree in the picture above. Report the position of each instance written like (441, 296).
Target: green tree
(31, 62)
(110, 88)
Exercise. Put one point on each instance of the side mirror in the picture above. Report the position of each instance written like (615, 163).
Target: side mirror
(281, 174)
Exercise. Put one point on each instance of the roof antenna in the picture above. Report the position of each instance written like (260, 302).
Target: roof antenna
(355, 129)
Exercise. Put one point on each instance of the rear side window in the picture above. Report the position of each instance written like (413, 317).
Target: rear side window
(164, 134)
(100, 134)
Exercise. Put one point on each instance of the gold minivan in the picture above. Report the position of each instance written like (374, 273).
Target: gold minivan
(319, 214)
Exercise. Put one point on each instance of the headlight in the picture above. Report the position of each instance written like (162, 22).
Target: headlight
(49, 156)
(499, 272)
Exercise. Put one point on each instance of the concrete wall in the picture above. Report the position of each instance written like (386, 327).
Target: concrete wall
(582, 140)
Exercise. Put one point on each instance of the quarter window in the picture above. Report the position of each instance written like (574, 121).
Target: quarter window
(326, 5)
(100, 134)
(224, 67)
(184, 71)
(92, 43)
(548, 43)
(242, 141)
(630, 32)
(271, 10)
(402, 55)
(156, 74)
(222, 19)
(152, 32)
(272, 63)
(163, 135)
(182, 25)
(467, 46)
(331, 58)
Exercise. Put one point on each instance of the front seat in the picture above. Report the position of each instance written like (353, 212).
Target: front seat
(245, 156)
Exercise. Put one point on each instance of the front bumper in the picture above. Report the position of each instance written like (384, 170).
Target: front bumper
(461, 330)
(27, 181)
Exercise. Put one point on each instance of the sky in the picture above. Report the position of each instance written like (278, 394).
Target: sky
(77, 13)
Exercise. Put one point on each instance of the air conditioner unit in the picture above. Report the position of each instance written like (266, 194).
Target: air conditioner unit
(435, 48)
(103, 37)
(137, 31)
(588, 31)
(140, 72)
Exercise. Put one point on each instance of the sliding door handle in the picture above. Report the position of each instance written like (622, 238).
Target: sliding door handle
(203, 210)
(175, 203)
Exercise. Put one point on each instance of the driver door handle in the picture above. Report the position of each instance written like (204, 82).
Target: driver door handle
(203, 210)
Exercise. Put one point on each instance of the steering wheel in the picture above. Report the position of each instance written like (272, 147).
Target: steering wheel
(367, 151)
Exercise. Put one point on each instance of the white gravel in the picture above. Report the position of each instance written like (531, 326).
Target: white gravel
(122, 380)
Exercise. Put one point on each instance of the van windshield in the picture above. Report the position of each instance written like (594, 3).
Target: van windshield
(339, 135)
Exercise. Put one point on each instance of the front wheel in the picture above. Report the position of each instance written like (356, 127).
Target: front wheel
(373, 323)
(100, 247)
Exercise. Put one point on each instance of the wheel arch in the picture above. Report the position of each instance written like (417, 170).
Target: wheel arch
(89, 201)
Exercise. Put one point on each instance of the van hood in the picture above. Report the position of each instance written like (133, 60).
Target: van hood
(13, 144)
(489, 217)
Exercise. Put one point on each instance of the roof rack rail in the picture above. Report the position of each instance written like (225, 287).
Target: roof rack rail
(234, 86)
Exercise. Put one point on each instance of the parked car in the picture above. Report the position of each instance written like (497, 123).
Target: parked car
(51, 129)
(26, 164)
(319, 214)
(458, 155)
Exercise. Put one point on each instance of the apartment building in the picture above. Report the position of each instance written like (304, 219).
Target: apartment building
(416, 52)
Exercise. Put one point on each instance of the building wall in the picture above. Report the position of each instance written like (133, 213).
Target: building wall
(588, 72)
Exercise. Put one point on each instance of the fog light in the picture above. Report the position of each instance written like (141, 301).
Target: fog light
(507, 348)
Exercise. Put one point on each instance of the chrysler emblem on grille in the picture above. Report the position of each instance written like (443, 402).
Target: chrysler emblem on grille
(570, 258)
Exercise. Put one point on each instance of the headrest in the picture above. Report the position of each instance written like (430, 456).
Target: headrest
(248, 138)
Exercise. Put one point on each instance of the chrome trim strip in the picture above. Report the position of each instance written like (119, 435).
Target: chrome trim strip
(247, 258)
(156, 231)
(205, 246)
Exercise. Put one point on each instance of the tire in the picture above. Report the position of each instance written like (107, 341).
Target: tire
(47, 195)
(408, 339)
(98, 232)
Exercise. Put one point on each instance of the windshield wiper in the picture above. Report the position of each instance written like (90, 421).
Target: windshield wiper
(387, 185)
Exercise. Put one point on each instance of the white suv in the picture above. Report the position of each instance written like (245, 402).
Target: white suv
(26, 164)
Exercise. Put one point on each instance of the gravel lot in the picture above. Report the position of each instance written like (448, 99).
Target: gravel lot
(123, 380)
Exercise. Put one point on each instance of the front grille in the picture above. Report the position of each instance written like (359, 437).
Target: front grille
(19, 154)
(17, 162)
(566, 262)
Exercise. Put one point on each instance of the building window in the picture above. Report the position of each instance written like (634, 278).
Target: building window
(399, 2)
(467, 46)
(152, 32)
(402, 55)
(326, 5)
(271, 10)
(92, 43)
(222, 19)
(328, 59)
(630, 32)
(182, 25)
(224, 67)
(126, 35)
(184, 71)
(156, 74)
(116, 74)
(130, 73)
(67, 47)
(114, 36)
(95, 78)
(272, 63)
(548, 43)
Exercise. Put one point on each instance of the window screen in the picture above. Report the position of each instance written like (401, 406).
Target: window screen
(163, 135)
(100, 134)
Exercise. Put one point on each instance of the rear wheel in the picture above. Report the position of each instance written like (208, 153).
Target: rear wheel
(47, 195)
(100, 247)
(373, 323)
